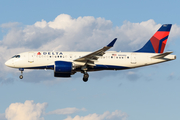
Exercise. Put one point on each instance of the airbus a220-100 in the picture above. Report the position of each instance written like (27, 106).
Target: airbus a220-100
(66, 64)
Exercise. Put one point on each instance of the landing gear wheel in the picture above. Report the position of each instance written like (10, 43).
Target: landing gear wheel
(21, 77)
(85, 77)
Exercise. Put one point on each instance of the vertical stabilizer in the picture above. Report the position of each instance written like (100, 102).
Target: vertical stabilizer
(158, 41)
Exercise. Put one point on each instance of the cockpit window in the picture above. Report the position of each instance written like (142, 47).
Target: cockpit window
(16, 56)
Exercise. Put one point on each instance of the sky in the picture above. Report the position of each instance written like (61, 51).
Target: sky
(146, 93)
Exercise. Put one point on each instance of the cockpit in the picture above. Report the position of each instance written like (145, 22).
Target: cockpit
(16, 56)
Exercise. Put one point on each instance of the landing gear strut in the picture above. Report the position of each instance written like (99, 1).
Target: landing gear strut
(86, 75)
(21, 76)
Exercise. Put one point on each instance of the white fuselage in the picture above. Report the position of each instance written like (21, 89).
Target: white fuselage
(66, 64)
(109, 61)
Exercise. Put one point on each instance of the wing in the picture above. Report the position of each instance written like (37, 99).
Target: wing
(90, 58)
(161, 55)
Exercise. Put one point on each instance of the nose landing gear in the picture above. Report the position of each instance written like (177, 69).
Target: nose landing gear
(21, 76)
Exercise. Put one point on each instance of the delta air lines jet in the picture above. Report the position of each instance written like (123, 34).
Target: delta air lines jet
(66, 64)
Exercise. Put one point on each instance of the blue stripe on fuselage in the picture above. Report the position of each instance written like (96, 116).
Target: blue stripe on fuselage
(110, 67)
(97, 67)
(41, 67)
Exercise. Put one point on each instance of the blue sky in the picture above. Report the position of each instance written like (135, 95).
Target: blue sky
(147, 93)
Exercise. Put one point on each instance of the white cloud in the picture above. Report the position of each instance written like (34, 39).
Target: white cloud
(66, 111)
(65, 33)
(116, 115)
(35, 111)
(175, 31)
(41, 24)
(27, 111)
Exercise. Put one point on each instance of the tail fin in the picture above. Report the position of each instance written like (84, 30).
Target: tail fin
(158, 41)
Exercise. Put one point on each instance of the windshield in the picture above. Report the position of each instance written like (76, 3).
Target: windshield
(16, 56)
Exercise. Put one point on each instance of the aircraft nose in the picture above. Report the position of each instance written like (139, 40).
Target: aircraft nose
(9, 63)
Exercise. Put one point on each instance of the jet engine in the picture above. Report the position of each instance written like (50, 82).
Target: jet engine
(62, 69)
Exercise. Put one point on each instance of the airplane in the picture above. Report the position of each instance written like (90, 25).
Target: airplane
(66, 64)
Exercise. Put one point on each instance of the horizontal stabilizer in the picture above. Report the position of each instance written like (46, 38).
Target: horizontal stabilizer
(161, 55)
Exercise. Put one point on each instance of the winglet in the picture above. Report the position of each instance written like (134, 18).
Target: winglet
(111, 44)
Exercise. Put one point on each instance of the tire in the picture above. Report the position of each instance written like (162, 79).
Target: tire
(21, 77)
(85, 77)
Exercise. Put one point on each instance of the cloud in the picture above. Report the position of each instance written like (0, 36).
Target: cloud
(175, 30)
(66, 111)
(116, 115)
(30, 37)
(35, 111)
(65, 33)
(27, 111)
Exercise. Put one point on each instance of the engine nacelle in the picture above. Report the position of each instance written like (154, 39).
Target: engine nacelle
(62, 69)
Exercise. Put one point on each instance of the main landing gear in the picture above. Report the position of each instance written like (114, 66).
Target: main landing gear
(86, 75)
(21, 76)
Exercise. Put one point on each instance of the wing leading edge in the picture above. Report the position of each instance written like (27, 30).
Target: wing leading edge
(90, 58)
